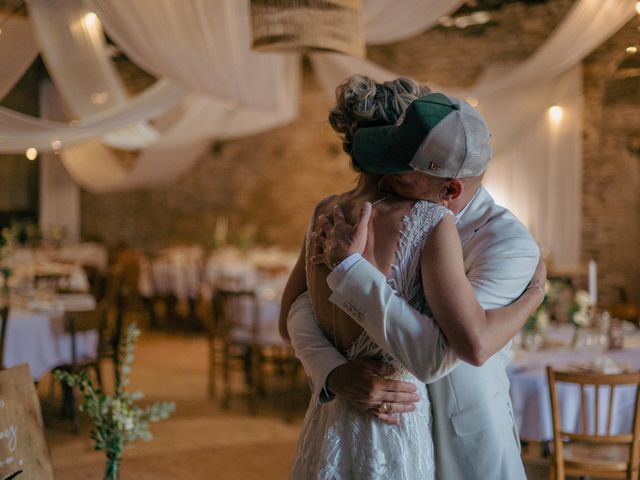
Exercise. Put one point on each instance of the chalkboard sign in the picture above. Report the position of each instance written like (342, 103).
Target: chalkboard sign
(22, 445)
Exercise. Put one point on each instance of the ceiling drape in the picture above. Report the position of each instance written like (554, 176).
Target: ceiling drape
(87, 81)
(185, 129)
(19, 131)
(387, 21)
(18, 50)
(202, 44)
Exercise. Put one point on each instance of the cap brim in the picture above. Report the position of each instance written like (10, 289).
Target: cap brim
(377, 151)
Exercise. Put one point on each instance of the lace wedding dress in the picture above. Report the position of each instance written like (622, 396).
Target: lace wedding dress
(339, 443)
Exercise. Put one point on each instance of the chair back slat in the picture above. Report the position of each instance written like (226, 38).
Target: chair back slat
(635, 443)
(230, 309)
(597, 409)
(583, 409)
(4, 316)
(610, 412)
(595, 435)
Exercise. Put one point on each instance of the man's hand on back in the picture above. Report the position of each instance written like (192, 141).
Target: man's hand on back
(361, 382)
(334, 239)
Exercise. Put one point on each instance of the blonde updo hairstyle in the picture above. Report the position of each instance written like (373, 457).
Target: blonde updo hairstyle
(361, 102)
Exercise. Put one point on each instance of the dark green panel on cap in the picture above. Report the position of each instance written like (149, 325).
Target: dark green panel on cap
(390, 149)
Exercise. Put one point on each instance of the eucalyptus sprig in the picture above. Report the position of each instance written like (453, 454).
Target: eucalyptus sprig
(119, 420)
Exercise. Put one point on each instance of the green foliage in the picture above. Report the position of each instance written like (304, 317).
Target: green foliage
(539, 320)
(119, 420)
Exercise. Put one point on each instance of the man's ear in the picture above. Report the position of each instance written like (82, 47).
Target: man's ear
(452, 190)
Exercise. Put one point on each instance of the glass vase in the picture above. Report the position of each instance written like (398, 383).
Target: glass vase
(112, 472)
(532, 340)
(577, 339)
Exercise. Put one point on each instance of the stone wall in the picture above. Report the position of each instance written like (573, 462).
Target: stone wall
(270, 182)
(611, 170)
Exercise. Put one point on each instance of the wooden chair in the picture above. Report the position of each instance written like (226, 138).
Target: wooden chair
(109, 333)
(234, 335)
(591, 452)
(4, 317)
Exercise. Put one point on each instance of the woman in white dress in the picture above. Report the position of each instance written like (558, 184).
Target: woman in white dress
(407, 241)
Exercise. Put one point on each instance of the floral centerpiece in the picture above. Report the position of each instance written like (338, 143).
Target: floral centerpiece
(580, 314)
(538, 321)
(119, 421)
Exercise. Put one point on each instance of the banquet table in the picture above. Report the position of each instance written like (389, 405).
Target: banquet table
(530, 392)
(35, 333)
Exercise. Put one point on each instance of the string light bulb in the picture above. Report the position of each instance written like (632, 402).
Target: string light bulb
(638, 8)
(56, 145)
(632, 50)
(556, 113)
(91, 19)
(31, 153)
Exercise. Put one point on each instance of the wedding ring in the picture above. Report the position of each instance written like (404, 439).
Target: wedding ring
(384, 408)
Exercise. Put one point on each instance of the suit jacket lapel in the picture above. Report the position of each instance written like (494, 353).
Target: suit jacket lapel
(477, 214)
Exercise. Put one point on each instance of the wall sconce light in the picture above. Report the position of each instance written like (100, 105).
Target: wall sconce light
(556, 113)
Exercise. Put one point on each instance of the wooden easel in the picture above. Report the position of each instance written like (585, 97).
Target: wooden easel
(23, 451)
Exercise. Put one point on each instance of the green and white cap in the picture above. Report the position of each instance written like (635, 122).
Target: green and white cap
(438, 135)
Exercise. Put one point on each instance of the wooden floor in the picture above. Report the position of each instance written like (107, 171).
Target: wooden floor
(200, 441)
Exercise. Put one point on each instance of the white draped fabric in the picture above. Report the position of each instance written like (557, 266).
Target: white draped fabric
(200, 43)
(587, 25)
(99, 99)
(99, 170)
(387, 21)
(538, 172)
(19, 131)
(59, 194)
(18, 50)
(87, 80)
(202, 117)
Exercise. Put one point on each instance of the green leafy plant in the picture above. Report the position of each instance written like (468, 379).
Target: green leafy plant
(119, 420)
(538, 321)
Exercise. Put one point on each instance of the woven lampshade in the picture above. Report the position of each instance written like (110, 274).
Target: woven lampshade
(308, 25)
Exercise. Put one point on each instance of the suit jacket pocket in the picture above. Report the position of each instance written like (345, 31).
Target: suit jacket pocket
(471, 420)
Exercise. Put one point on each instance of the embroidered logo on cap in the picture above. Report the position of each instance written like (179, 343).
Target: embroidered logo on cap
(434, 166)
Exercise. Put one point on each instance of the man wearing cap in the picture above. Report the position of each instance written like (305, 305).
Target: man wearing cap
(439, 139)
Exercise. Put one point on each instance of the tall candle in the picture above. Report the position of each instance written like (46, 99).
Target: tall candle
(593, 282)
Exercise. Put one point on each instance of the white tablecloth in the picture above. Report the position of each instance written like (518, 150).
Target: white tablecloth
(37, 337)
(268, 313)
(530, 392)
